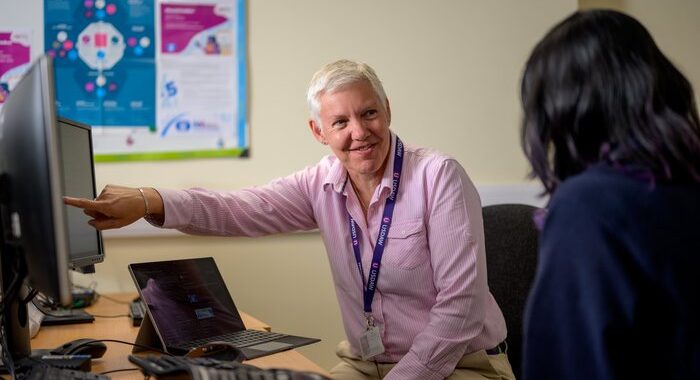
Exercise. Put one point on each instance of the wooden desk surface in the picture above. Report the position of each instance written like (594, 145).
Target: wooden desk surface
(120, 328)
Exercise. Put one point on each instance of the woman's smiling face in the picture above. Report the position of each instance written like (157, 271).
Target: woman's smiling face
(355, 125)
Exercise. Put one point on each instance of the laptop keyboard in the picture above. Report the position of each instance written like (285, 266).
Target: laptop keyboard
(241, 338)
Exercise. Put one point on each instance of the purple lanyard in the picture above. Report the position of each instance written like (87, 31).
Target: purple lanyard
(371, 285)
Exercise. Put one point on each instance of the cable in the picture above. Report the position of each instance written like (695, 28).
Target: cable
(112, 299)
(19, 269)
(120, 370)
(122, 342)
(46, 312)
(6, 357)
(110, 316)
(43, 299)
(9, 294)
(49, 313)
(8, 298)
(30, 296)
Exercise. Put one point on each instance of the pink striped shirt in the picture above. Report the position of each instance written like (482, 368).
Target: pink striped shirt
(432, 303)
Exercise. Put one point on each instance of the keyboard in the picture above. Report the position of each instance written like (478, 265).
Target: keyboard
(41, 372)
(180, 367)
(242, 338)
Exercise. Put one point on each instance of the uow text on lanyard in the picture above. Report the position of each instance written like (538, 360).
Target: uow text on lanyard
(373, 275)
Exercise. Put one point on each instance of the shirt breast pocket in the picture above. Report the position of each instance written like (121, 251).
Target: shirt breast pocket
(407, 246)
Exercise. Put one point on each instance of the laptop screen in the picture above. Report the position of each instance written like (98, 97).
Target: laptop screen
(187, 299)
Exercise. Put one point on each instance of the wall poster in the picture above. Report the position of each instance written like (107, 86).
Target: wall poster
(15, 57)
(157, 79)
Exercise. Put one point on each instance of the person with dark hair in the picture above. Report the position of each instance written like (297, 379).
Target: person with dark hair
(611, 130)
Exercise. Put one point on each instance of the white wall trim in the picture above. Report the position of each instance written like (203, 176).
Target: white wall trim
(526, 193)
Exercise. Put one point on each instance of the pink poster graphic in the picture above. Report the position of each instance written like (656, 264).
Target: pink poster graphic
(15, 55)
(195, 29)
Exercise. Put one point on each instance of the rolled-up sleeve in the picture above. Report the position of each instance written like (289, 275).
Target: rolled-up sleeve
(283, 205)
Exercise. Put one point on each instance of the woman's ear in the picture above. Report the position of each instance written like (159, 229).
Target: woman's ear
(317, 132)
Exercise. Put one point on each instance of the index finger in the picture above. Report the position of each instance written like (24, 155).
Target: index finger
(83, 203)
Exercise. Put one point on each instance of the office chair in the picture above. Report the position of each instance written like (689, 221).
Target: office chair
(511, 240)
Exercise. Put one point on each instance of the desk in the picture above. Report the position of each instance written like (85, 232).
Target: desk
(120, 328)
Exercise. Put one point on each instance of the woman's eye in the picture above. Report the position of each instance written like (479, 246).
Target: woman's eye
(339, 124)
(371, 113)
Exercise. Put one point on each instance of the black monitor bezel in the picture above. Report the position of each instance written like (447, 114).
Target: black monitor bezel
(33, 234)
(78, 264)
(40, 91)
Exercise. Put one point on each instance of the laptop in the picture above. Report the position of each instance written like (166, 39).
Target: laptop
(188, 305)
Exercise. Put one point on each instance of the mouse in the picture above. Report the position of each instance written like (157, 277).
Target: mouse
(224, 351)
(83, 346)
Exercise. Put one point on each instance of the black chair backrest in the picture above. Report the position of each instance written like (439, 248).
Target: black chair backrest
(511, 258)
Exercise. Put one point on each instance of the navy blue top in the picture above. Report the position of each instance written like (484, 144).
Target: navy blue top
(617, 290)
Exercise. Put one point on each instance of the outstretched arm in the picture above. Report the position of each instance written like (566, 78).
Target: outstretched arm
(119, 206)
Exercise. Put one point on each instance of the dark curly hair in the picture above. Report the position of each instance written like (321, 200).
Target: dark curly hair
(597, 88)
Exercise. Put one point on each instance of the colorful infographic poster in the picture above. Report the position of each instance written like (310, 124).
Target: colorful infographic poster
(156, 79)
(15, 56)
(104, 59)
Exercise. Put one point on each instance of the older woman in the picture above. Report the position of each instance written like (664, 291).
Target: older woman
(378, 203)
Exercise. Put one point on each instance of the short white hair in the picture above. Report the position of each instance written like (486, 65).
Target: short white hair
(336, 75)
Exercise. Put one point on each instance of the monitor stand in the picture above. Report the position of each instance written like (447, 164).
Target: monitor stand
(67, 317)
(16, 350)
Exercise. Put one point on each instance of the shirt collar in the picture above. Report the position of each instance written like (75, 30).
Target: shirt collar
(337, 176)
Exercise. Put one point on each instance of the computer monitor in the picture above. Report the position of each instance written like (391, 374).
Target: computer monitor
(84, 241)
(34, 241)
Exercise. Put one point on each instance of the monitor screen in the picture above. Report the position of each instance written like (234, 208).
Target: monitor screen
(84, 241)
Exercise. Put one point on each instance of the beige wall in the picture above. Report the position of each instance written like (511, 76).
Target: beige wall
(451, 70)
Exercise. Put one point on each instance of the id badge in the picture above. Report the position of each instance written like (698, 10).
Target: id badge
(371, 343)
